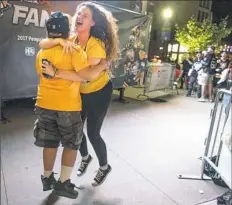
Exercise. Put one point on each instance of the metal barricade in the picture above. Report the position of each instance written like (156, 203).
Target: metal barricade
(156, 79)
(213, 144)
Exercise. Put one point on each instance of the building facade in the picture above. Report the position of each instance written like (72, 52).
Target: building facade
(162, 32)
(163, 28)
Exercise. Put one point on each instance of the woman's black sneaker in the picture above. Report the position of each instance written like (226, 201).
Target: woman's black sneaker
(48, 182)
(101, 176)
(84, 165)
(65, 189)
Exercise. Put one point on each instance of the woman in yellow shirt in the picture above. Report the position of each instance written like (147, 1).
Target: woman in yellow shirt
(97, 34)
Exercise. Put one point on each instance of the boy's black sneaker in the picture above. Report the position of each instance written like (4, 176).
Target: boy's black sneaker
(48, 182)
(84, 165)
(65, 189)
(101, 176)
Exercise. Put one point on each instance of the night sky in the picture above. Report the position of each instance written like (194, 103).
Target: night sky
(220, 10)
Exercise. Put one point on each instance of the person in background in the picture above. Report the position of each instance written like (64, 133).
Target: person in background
(177, 65)
(202, 80)
(193, 74)
(97, 34)
(225, 80)
(155, 59)
(187, 63)
(230, 57)
(204, 54)
(229, 76)
(142, 63)
(177, 74)
(222, 64)
(210, 64)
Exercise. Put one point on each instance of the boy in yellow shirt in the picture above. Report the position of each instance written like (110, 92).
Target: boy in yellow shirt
(58, 107)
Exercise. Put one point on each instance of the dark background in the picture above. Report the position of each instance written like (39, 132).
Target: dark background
(222, 9)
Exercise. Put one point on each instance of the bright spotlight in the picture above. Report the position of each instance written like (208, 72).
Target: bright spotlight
(167, 13)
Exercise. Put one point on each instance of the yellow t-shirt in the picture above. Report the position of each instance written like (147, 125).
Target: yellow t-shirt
(59, 94)
(95, 48)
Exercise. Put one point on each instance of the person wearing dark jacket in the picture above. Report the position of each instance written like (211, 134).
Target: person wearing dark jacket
(225, 80)
(193, 74)
(210, 63)
(185, 69)
(222, 64)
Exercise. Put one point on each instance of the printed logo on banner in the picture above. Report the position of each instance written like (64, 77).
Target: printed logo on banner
(4, 5)
(29, 51)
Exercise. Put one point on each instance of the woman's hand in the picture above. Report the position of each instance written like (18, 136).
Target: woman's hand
(48, 69)
(68, 46)
(105, 65)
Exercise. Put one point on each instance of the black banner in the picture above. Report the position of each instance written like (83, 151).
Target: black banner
(22, 27)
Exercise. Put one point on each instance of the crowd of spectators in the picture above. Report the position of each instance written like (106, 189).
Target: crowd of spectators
(204, 74)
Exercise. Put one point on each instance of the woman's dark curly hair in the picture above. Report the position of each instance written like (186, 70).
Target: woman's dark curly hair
(104, 29)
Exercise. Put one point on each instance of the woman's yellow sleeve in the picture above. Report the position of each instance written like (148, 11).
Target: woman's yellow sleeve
(96, 49)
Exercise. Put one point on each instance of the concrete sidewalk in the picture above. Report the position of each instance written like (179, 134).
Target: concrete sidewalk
(149, 145)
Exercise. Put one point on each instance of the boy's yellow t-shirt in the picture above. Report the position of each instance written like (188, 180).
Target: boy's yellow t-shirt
(59, 94)
(94, 48)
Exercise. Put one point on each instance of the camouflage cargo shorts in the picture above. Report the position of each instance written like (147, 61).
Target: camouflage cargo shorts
(55, 127)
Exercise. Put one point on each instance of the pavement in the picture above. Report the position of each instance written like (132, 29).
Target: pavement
(149, 145)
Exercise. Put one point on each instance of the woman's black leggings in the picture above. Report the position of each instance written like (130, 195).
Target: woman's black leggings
(94, 109)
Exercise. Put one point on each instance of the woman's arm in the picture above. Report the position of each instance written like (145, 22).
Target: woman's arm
(49, 43)
(97, 64)
(68, 75)
(51, 70)
(67, 45)
(93, 61)
(92, 72)
(86, 74)
(89, 73)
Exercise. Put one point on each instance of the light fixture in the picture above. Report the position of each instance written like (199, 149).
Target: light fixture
(167, 13)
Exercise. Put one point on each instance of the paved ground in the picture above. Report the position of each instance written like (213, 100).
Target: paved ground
(149, 145)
